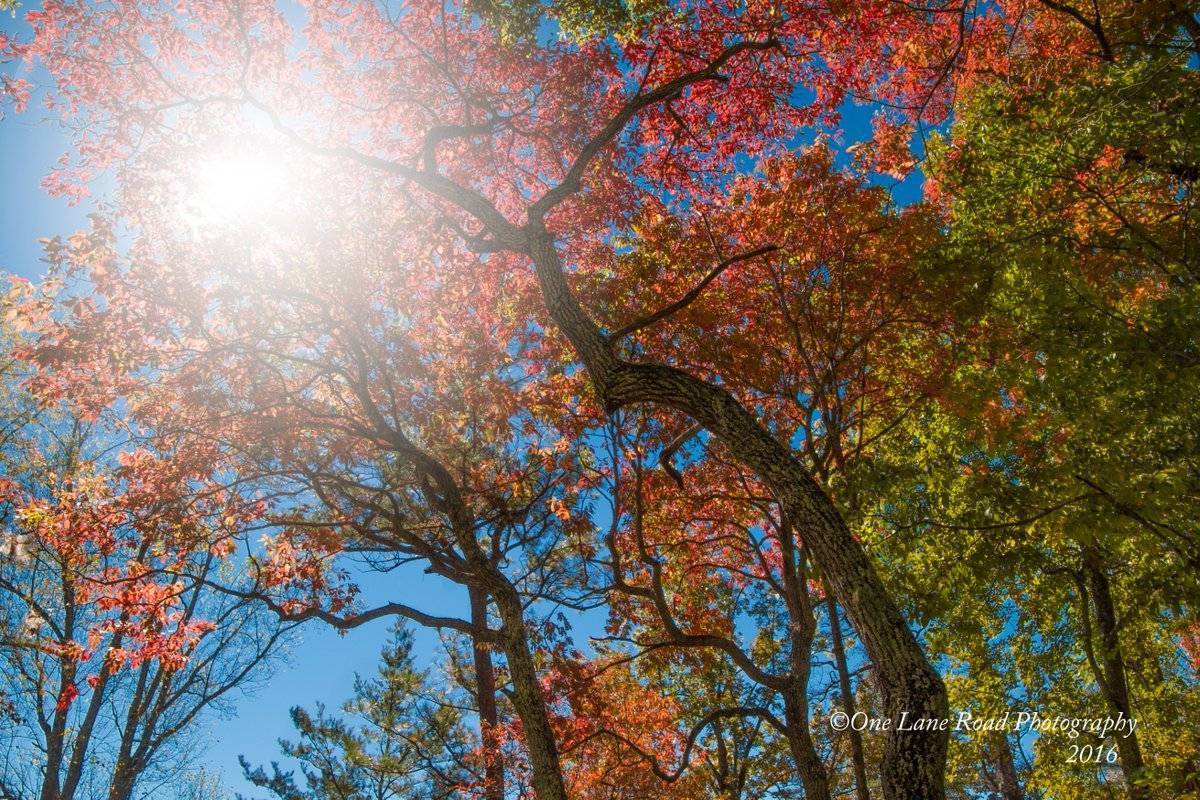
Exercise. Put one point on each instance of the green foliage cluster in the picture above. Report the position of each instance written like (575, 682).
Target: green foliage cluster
(574, 19)
(1067, 444)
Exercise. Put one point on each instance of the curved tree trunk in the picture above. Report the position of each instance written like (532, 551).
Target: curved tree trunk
(913, 762)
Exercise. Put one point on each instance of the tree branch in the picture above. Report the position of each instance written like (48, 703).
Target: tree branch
(571, 183)
(691, 296)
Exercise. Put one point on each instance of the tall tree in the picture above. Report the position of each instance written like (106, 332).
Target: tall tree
(1066, 445)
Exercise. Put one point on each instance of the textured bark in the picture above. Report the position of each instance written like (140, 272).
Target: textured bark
(1110, 667)
(913, 762)
(803, 629)
(527, 697)
(1006, 768)
(809, 764)
(485, 698)
(861, 791)
(50, 787)
(123, 780)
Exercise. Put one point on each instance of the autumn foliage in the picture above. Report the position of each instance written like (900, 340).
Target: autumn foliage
(605, 312)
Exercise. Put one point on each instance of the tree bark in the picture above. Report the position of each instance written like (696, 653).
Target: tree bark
(913, 762)
(83, 738)
(527, 697)
(1109, 671)
(485, 698)
(123, 779)
(803, 629)
(56, 732)
(1006, 768)
(800, 742)
(861, 790)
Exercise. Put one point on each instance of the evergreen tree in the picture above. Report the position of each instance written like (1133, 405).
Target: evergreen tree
(395, 739)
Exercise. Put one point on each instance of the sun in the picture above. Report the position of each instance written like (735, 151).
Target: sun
(239, 186)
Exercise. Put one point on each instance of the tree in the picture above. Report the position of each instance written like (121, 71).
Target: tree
(398, 740)
(836, 302)
(1061, 460)
(105, 686)
(762, 68)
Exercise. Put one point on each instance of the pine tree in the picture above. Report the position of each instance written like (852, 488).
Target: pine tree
(394, 739)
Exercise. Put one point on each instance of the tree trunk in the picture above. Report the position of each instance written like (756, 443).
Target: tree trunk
(1006, 769)
(802, 628)
(50, 774)
(804, 752)
(861, 791)
(724, 785)
(485, 698)
(1110, 671)
(123, 778)
(483, 576)
(913, 762)
(83, 739)
(527, 697)
(56, 736)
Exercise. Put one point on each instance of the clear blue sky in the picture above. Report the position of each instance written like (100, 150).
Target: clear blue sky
(28, 151)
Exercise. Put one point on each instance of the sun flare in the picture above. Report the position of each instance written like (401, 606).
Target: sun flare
(233, 187)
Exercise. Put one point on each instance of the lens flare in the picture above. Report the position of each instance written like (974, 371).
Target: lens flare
(235, 188)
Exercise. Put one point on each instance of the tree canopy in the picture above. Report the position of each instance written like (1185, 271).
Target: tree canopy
(587, 307)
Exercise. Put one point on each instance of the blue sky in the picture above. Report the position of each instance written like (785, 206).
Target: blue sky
(28, 151)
